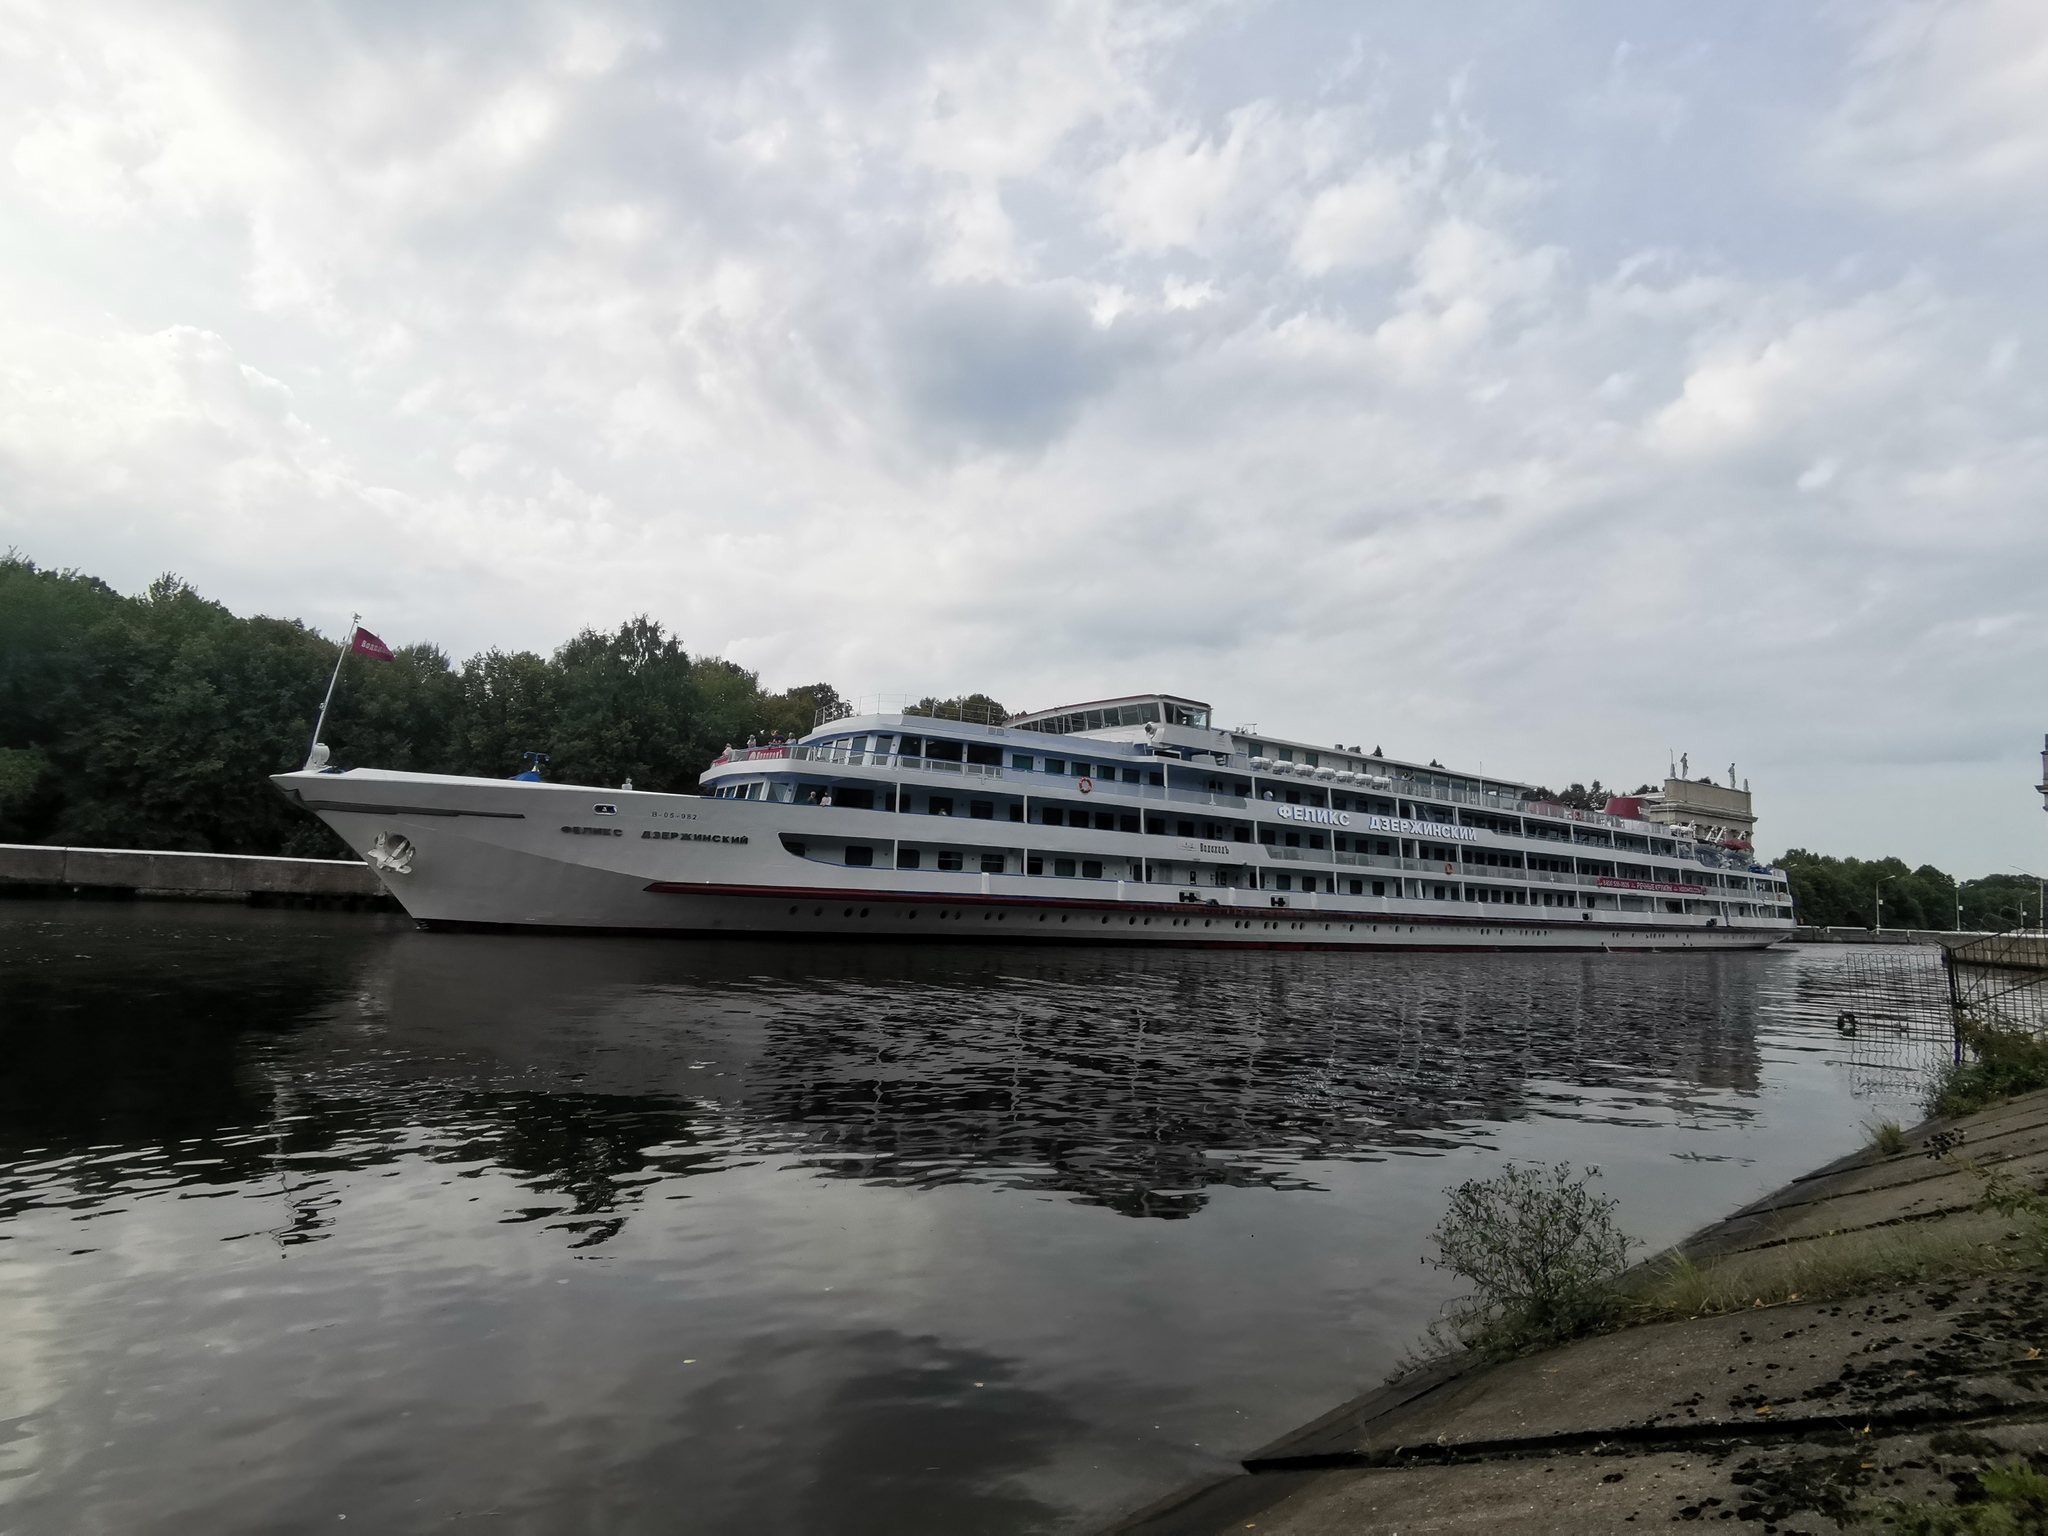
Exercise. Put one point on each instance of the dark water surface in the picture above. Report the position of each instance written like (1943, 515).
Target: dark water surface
(310, 1217)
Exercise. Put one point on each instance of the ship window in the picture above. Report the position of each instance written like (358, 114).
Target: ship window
(793, 846)
(1183, 829)
(982, 810)
(1294, 839)
(1240, 834)
(1156, 825)
(1091, 870)
(1294, 797)
(1341, 844)
(860, 856)
(1358, 887)
(1017, 811)
(949, 858)
(988, 757)
(940, 805)
(1053, 816)
(1379, 887)
(1020, 762)
(1055, 765)
(1034, 866)
(906, 858)
(1283, 882)
(1105, 821)
(1130, 775)
(1127, 821)
(1064, 868)
(856, 799)
(1148, 714)
(1315, 839)
(1266, 834)
(1156, 777)
(943, 751)
(1311, 759)
(1287, 754)
(991, 863)
(913, 746)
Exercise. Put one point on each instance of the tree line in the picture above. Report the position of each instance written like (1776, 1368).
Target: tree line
(151, 721)
(1844, 893)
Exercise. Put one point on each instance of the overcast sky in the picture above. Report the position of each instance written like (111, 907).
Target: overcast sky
(1549, 386)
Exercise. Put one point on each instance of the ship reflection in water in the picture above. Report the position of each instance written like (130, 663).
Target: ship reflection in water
(314, 1216)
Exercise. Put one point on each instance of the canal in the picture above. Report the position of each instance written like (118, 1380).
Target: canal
(309, 1218)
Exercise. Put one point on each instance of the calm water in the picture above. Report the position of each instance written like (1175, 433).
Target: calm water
(306, 1218)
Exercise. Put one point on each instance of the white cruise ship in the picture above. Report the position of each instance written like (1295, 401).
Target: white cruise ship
(1129, 820)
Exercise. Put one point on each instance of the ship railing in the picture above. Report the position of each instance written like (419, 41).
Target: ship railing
(1369, 860)
(846, 757)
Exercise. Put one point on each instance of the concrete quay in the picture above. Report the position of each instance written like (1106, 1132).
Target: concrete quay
(1802, 1416)
(1945, 938)
(36, 868)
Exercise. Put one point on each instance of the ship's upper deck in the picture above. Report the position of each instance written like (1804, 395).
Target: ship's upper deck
(1163, 745)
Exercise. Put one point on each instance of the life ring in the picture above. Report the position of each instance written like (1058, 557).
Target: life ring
(1450, 869)
(1087, 786)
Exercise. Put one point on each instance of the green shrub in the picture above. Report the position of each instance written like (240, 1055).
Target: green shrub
(1886, 1139)
(1997, 1064)
(1543, 1252)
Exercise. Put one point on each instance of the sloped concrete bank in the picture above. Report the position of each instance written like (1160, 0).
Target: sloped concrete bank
(1800, 1416)
(35, 869)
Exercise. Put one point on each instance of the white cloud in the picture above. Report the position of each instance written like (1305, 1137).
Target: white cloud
(1361, 222)
(1052, 351)
(1942, 110)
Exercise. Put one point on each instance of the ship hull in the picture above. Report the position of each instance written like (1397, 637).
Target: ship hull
(492, 854)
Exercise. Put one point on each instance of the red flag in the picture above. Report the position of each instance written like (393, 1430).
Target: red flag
(366, 644)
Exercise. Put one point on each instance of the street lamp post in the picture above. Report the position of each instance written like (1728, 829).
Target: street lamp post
(2040, 894)
(1877, 899)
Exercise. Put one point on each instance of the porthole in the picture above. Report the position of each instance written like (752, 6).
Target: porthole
(863, 911)
(792, 911)
(1064, 916)
(847, 913)
(988, 917)
(817, 911)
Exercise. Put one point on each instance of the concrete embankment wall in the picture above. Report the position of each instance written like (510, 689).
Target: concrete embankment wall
(1943, 937)
(205, 876)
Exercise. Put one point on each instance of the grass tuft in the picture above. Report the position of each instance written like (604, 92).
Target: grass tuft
(2012, 1498)
(1886, 1139)
(1998, 1064)
(1825, 1268)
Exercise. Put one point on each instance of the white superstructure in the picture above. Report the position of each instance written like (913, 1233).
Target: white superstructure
(1129, 819)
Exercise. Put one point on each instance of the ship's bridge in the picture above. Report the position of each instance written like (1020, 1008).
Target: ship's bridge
(1139, 709)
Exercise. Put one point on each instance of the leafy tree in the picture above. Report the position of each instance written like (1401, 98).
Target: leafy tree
(152, 721)
(1832, 892)
(977, 707)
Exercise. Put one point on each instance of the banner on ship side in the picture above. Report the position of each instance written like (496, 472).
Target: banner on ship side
(1670, 888)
